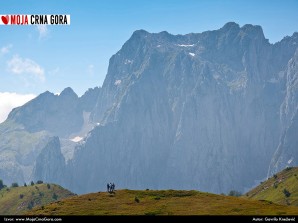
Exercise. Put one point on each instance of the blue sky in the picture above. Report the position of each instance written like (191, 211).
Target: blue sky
(34, 60)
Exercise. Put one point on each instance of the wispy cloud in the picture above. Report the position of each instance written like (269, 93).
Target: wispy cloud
(54, 71)
(8, 101)
(18, 65)
(42, 30)
(6, 49)
(90, 69)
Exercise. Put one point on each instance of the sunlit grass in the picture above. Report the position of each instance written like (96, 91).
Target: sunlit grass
(163, 202)
(18, 200)
(272, 189)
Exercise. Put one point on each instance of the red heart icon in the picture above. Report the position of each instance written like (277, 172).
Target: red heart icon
(5, 19)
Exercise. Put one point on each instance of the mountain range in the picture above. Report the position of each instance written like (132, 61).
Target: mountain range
(213, 111)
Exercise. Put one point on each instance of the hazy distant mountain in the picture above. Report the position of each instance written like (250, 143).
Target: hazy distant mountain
(196, 111)
(29, 128)
(59, 115)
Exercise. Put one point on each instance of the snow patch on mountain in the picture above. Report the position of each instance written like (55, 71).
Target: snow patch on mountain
(76, 139)
(117, 82)
(128, 61)
(186, 45)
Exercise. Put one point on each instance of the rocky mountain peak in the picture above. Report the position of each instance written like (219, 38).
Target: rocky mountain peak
(230, 26)
(139, 33)
(253, 31)
(68, 92)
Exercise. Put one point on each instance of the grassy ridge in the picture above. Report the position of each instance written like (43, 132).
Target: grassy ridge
(163, 202)
(273, 188)
(18, 200)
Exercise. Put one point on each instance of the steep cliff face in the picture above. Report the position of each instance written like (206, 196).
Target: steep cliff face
(198, 111)
(287, 152)
(195, 111)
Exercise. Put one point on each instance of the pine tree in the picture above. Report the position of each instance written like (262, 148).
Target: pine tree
(1, 184)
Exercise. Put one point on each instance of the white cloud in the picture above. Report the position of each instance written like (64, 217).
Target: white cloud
(8, 101)
(18, 65)
(42, 30)
(6, 49)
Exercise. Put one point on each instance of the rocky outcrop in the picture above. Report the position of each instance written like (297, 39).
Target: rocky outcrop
(50, 163)
(89, 99)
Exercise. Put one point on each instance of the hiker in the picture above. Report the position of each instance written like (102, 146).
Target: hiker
(111, 190)
(113, 187)
(108, 187)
